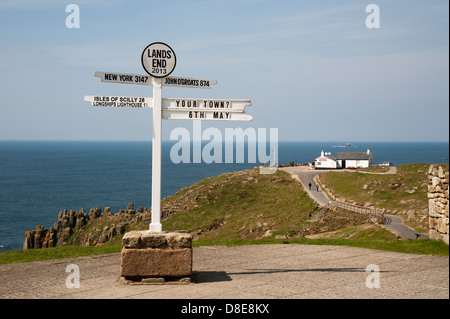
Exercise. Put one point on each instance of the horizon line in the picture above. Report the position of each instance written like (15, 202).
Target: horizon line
(282, 141)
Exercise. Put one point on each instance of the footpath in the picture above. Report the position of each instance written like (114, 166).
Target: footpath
(284, 271)
(306, 176)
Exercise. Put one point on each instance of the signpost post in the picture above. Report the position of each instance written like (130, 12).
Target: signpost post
(159, 61)
(155, 225)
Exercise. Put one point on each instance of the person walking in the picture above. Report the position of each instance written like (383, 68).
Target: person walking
(309, 186)
(317, 187)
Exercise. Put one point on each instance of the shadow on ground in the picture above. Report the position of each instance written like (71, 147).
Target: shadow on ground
(218, 276)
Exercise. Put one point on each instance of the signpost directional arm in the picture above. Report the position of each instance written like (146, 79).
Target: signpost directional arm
(232, 105)
(127, 78)
(119, 101)
(206, 109)
(188, 82)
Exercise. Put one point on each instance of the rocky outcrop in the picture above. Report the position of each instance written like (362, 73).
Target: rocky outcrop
(438, 211)
(40, 238)
(71, 224)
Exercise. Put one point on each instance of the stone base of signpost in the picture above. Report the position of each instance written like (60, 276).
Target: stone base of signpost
(156, 258)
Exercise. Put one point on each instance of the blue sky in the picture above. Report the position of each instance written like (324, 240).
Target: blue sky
(311, 68)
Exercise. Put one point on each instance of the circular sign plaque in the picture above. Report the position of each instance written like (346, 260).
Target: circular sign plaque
(158, 59)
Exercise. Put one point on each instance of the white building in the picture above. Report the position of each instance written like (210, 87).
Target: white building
(344, 160)
(355, 159)
(326, 160)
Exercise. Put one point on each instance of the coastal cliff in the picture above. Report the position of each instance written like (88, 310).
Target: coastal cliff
(70, 228)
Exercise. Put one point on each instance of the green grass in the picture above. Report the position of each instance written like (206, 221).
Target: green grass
(421, 247)
(22, 256)
(248, 205)
(241, 205)
(389, 191)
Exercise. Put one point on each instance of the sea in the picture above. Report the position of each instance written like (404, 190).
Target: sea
(38, 179)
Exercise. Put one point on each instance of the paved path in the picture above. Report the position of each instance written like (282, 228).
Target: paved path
(257, 271)
(395, 224)
(306, 176)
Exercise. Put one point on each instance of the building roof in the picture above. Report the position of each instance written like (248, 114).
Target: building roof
(327, 155)
(353, 156)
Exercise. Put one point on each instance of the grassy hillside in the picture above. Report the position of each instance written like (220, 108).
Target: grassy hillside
(249, 205)
(403, 193)
(238, 205)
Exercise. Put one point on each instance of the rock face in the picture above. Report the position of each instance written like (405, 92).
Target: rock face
(156, 255)
(40, 238)
(70, 222)
(438, 211)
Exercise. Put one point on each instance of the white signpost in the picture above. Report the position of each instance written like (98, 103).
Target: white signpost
(159, 61)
